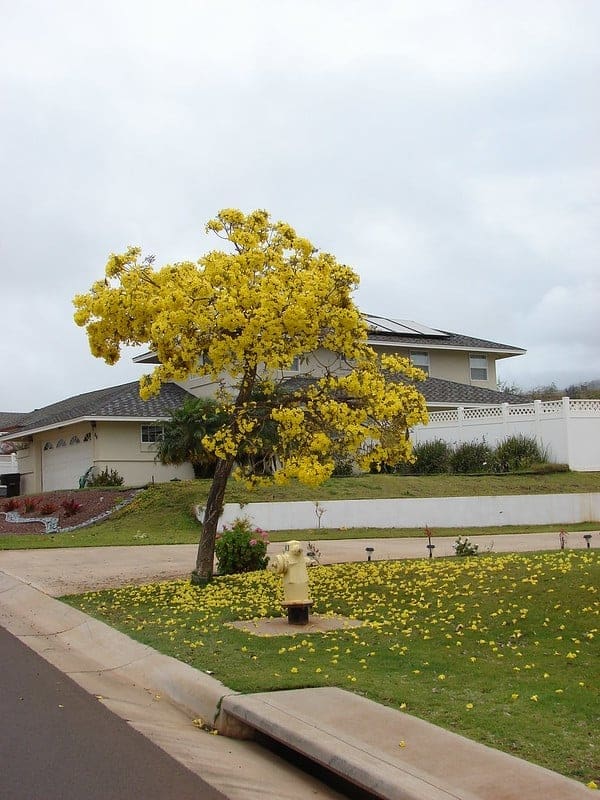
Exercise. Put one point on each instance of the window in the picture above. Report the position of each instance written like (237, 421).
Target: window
(87, 437)
(295, 365)
(74, 440)
(420, 359)
(151, 434)
(478, 367)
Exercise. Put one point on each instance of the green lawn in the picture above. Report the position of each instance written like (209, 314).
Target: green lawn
(501, 648)
(163, 513)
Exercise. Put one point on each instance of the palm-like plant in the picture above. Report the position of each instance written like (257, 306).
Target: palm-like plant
(184, 432)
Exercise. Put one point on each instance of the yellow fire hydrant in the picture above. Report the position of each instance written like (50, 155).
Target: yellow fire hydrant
(291, 565)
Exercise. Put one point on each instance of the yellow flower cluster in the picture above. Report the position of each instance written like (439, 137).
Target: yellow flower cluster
(249, 311)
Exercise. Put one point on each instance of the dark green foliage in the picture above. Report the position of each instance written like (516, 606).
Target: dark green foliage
(183, 434)
(471, 457)
(105, 478)
(518, 453)
(241, 548)
(344, 468)
(431, 458)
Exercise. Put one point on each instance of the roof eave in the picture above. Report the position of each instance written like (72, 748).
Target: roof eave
(503, 352)
(78, 421)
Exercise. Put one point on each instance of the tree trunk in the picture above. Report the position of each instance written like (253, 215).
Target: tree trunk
(214, 504)
(214, 507)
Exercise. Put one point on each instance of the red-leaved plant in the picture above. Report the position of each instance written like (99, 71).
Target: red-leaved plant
(71, 506)
(12, 504)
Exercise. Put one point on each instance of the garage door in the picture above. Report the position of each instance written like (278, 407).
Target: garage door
(64, 461)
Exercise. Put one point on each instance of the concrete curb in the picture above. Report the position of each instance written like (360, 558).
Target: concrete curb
(73, 641)
(358, 739)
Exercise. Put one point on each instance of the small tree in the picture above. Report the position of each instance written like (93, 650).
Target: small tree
(270, 297)
(183, 435)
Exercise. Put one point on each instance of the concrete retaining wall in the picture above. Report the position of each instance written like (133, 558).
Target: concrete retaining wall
(447, 512)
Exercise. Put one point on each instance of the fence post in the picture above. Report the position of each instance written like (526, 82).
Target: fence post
(566, 414)
(461, 422)
(537, 415)
(505, 422)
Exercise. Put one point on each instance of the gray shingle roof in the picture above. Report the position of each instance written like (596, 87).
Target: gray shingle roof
(450, 340)
(10, 419)
(437, 390)
(116, 401)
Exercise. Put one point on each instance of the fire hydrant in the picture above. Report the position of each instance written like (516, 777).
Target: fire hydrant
(292, 566)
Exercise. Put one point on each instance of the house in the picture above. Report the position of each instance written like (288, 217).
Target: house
(460, 369)
(111, 428)
(114, 428)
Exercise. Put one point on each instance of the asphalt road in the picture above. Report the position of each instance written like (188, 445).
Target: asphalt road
(59, 743)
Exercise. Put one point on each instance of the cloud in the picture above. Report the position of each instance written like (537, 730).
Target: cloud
(449, 152)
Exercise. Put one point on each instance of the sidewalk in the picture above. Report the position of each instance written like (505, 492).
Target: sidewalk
(159, 696)
(72, 570)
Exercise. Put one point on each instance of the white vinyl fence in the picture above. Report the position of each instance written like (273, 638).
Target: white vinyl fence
(569, 430)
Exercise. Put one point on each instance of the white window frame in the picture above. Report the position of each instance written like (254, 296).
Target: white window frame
(424, 356)
(478, 366)
(294, 366)
(151, 434)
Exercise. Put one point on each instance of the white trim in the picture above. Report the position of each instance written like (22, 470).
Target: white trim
(78, 420)
(505, 352)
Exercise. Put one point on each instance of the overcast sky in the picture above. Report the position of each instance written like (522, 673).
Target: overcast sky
(448, 150)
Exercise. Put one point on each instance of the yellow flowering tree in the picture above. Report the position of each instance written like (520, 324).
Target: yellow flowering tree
(240, 316)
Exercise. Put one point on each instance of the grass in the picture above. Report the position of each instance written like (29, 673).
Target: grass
(500, 648)
(163, 514)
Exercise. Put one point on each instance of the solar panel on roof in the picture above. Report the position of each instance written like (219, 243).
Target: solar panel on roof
(403, 326)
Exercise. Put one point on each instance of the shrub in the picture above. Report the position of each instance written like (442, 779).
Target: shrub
(472, 457)
(463, 547)
(48, 508)
(241, 548)
(105, 478)
(71, 506)
(30, 504)
(517, 453)
(12, 504)
(344, 468)
(432, 457)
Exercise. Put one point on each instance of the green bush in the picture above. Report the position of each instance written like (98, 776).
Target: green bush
(463, 547)
(344, 468)
(432, 457)
(241, 548)
(472, 457)
(105, 478)
(518, 453)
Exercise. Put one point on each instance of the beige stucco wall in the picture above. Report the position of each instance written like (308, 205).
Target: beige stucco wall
(450, 365)
(315, 364)
(114, 445)
(119, 446)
